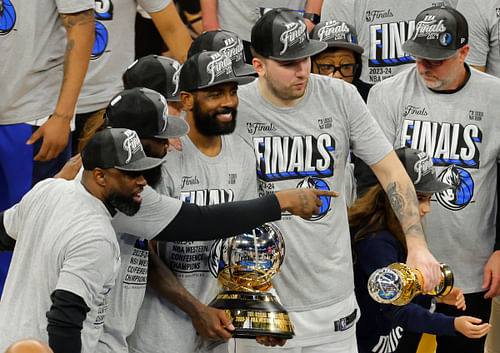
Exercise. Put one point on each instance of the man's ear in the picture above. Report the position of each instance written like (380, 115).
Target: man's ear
(99, 178)
(187, 100)
(259, 66)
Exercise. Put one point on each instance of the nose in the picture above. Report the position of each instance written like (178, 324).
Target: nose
(303, 67)
(141, 181)
(230, 100)
(337, 74)
(426, 206)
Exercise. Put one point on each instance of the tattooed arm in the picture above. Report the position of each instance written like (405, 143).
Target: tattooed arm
(399, 188)
(55, 132)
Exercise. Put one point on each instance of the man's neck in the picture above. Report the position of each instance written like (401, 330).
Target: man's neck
(208, 145)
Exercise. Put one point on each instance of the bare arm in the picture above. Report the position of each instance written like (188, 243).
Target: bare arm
(209, 15)
(55, 132)
(173, 31)
(210, 323)
(313, 6)
(401, 193)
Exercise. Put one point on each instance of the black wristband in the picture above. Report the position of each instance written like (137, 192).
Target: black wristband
(313, 17)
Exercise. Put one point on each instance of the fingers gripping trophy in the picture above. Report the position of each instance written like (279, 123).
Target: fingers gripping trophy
(246, 264)
(398, 284)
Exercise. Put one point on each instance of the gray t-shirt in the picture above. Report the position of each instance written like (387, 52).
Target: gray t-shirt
(193, 177)
(484, 33)
(239, 16)
(32, 43)
(460, 131)
(113, 50)
(307, 145)
(382, 27)
(126, 298)
(64, 240)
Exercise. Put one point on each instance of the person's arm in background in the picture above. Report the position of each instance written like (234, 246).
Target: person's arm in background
(209, 15)
(401, 193)
(173, 31)
(314, 7)
(80, 29)
(210, 323)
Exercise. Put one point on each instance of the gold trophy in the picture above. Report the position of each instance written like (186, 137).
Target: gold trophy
(398, 284)
(246, 264)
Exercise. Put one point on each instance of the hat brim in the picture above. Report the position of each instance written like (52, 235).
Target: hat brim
(426, 52)
(241, 80)
(313, 47)
(354, 47)
(176, 127)
(176, 98)
(244, 70)
(142, 164)
(431, 186)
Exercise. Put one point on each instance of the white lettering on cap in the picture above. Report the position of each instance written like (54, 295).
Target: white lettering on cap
(333, 30)
(115, 100)
(423, 166)
(131, 144)
(429, 27)
(165, 113)
(233, 49)
(175, 76)
(219, 65)
(296, 33)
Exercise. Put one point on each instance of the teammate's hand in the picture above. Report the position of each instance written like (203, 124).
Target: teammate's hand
(302, 202)
(270, 341)
(470, 326)
(174, 143)
(455, 297)
(419, 257)
(212, 324)
(55, 133)
(71, 168)
(492, 275)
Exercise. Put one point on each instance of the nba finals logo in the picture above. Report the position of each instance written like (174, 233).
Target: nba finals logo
(334, 30)
(131, 144)
(233, 49)
(429, 28)
(220, 65)
(296, 33)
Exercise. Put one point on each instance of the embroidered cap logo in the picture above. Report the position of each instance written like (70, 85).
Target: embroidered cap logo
(220, 65)
(175, 77)
(131, 144)
(233, 49)
(423, 166)
(429, 27)
(296, 33)
(333, 30)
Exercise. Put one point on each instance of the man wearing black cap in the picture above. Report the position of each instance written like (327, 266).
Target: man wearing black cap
(302, 128)
(214, 166)
(449, 110)
(66, 255)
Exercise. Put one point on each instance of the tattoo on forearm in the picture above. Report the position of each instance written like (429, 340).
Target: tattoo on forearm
(78, 19)
(406, 209)
(395, 198)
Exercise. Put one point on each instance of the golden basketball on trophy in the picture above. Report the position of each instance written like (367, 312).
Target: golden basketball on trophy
(398, 284)
(246, 264)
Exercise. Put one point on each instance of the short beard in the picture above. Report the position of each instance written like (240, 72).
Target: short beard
(208, 124)
(124, 204)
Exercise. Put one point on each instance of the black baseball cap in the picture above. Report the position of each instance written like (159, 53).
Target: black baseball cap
(156, 72)
(440, 31)
(420, 169)
(117, 148)
(281, 34)
(337, 35)
(207, 69)
(226, 43)
(145, 111)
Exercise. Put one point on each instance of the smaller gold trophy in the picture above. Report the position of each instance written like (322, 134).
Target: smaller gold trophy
(398, 284)
(246, 264)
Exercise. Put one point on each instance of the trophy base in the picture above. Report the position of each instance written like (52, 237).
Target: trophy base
(254, 314)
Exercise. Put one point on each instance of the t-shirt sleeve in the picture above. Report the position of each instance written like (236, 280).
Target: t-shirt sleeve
(154, 5)
(11, 221)
(155, 214)
(74, 6)
(381, 106)
(86, 268)
(367, 140)
(479, 36)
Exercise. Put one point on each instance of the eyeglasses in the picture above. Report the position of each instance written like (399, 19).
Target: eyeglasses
(346, 70)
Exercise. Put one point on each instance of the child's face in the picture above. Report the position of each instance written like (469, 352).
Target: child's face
(424, 204)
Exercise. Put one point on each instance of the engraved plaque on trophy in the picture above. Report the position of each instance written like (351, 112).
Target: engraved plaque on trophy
(246, 264)
(398, 284)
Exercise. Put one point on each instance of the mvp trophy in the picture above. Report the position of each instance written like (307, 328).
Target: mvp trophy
(397, 284)
(246, 264)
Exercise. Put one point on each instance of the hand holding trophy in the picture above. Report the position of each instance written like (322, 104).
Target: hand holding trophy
(247, 263)
(398, 284)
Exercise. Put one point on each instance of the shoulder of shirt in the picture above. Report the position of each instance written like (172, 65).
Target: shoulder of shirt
(484, 78)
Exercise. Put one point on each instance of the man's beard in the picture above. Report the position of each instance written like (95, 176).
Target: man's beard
(208, 124)
(123, 203)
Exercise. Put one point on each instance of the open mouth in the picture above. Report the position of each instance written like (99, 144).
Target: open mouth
(225, 117)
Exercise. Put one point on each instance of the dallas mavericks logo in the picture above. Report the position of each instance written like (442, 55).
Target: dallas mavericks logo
(103, 12)
(320, 184)
(461, 194)
(215, 263)
(7, 17)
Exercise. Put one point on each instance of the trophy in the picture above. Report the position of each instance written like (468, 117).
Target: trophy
(246, 264)
(397, 284)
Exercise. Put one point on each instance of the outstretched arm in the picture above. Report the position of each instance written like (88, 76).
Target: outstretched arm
(55, 132)
(399, 188)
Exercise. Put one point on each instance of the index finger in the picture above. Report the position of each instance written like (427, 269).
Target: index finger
(326, 193)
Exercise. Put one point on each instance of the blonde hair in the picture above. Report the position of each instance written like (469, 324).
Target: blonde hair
(92, 125)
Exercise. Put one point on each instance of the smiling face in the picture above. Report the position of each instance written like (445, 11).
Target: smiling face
(214, 109)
